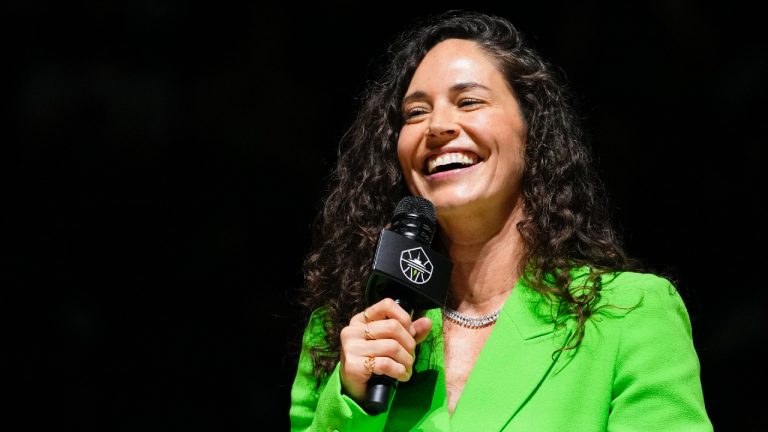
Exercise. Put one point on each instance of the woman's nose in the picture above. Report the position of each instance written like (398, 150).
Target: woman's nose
(442, 124)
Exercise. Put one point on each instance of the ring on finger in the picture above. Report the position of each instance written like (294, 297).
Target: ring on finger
(370, 363)
(365, 314)
(368, 333)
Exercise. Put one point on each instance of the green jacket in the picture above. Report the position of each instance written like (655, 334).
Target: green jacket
(635, 370)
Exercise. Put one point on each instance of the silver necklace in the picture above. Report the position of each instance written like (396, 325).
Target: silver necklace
(470, 321)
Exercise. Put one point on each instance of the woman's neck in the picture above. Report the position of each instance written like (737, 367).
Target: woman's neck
(486, 252)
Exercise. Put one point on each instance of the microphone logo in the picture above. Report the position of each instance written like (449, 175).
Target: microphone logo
(415, 265)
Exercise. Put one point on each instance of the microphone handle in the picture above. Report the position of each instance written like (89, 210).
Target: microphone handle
(380, 386)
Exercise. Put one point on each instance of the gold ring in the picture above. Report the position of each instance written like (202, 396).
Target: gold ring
(368, 333)
(370, 363)
(365, 314)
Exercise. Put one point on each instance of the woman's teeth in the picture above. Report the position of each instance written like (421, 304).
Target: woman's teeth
(444, 160)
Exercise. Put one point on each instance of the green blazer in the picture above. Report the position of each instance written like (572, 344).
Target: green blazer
(635, 370)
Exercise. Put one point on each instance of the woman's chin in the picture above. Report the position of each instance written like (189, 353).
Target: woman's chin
(452, 203)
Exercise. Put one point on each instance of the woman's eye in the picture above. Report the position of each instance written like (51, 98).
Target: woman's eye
(469, 102)
(414, 112)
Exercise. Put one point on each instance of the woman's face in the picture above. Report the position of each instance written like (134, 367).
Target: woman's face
(462, 142)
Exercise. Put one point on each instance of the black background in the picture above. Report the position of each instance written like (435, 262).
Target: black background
(164, 161)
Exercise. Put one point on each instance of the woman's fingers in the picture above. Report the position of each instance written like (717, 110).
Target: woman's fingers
(383, 310)
(387, 366)
(396, 343)
(381, 340)
(421, 327)
(391, 349)
(388, 330)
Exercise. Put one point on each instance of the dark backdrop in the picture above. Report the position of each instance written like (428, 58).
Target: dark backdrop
(164, 161)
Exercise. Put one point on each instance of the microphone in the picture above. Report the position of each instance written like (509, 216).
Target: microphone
(408, 271)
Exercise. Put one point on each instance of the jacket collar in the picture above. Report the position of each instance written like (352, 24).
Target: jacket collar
(518, 355)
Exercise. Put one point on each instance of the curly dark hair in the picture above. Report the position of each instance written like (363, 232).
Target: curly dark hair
(566, 222)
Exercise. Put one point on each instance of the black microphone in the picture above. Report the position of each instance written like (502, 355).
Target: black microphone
(406, 270)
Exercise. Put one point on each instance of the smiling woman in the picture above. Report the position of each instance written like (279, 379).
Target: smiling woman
(462, 143)
(547, 324)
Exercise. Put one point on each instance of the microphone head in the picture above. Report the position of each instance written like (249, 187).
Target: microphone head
(415, 205)
(415, 218)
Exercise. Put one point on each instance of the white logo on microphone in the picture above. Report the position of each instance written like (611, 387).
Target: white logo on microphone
(416, 265)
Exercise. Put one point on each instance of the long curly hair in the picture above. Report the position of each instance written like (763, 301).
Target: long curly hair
(566, 222)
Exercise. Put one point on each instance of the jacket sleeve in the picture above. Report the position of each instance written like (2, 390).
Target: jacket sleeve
(325, 407)
(657, 373)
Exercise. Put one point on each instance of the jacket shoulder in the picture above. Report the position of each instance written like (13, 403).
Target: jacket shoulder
(627, 291)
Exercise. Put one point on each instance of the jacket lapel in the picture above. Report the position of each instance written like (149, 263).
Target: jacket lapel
(518, 355)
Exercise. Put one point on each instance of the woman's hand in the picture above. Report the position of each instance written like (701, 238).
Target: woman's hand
(380, 340)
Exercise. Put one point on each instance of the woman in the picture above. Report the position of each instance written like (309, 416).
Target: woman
(548, 325)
